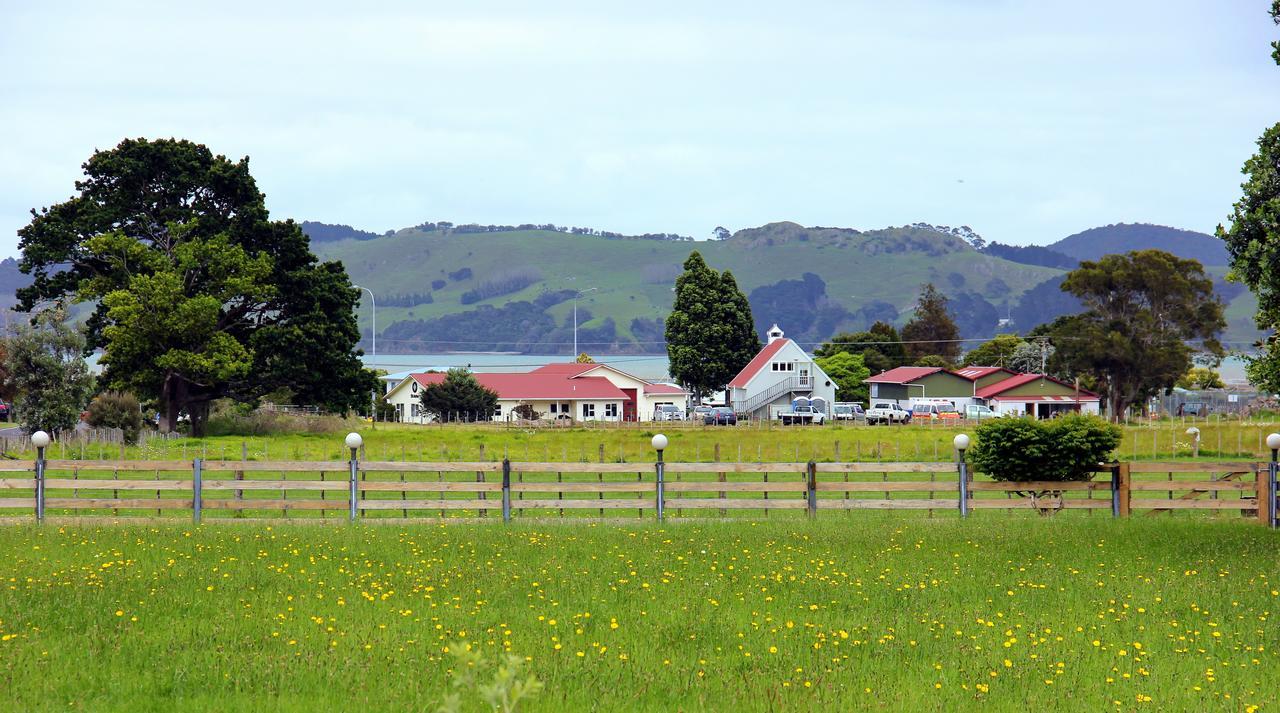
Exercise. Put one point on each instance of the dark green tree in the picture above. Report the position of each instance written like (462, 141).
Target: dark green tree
(933, 360)
(931, 329)
(709, 332)
(143, 210)
(459, 398)
(997, 351)
(1149, 312)
(48, 373)
(880, 347)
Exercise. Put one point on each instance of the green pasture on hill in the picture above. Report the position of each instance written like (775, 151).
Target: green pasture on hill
(630, 443)
(882, 611)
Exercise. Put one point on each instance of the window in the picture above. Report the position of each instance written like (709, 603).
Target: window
(783, 366)
(611, 410)
(413, 410)
(588, 410)
(497, 411)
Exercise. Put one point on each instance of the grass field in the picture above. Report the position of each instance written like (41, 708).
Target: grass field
(630, 443)
(882, 611)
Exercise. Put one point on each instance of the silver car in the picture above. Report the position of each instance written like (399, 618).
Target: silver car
(668, 412)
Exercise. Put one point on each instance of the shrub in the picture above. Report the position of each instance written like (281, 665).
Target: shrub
(115, 409)
(1061, 449)
(526, 412)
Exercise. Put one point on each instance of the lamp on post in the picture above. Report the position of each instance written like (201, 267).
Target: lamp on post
(961, 443)
(1195, 441)
(40, 439)
(660, 444)
(1273, 442)
(354, 441)
(373, 337)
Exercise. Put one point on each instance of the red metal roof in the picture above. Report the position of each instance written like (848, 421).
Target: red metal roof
(973, 373)
(568, 369)
(664, 389)
(903, 374)
(540, 386)
(757, 363)
(1084, 396)
(994, 390)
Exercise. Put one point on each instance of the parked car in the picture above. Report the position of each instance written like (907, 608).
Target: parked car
(934, 410)
(6, 410)
(802, 415)
(887, 412)
(720, 416)
(978, 412)
(700, 413)
(668, 412)
(849, 412)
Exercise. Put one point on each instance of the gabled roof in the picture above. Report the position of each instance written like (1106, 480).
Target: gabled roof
(973, 373)
(567, 369)
(664, 389)
(539, 386)
(993, 390)
(758, 363)
(903, 375)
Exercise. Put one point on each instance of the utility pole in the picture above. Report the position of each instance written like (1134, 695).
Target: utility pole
(576, 295)
(1044, 352)
(373, 335)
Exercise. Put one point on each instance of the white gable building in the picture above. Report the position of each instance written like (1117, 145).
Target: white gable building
(779, 374)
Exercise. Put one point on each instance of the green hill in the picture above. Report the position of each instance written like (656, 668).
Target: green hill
(1093, 243)
(861, 276)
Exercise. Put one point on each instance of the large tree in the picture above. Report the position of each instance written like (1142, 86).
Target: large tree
(710, 333)
(997, 351)
(1148, 313)
(880, 347)
(1253, 242)
(47, 371)
(931, 330)
(199, 295)
(849, 374)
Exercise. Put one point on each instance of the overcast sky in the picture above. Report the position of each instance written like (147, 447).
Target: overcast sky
(1026, 120)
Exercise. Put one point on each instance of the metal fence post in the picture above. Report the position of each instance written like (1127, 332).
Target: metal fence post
(40, 483)
(197, 489)
(961, 443)
(506, 490)
(811, 488)
(1271, 490)
(659, 443)
(354, 441)
(1115, 491)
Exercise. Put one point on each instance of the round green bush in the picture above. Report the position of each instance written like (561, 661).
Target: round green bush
(1060, 449)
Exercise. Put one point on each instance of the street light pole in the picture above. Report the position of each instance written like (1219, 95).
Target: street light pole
(373, 334)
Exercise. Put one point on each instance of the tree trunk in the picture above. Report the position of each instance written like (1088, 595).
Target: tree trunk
(171, 396)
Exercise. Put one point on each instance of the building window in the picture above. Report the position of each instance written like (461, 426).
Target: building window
(588, 410)
(497, 411)
(413, 410)
(783, 366)
(611, 410)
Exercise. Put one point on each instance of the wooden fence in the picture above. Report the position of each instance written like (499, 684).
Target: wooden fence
(416, 490)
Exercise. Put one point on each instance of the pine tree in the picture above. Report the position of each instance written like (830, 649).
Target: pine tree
(459, 398)
(931, 330)
(710, 333)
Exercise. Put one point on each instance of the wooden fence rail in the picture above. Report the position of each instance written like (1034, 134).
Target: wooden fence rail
(426, 489)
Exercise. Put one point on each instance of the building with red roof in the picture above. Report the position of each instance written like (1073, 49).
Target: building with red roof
(1004, 391)
(776, 377)
(580, 392)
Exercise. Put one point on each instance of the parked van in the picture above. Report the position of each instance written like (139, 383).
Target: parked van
(934, 409)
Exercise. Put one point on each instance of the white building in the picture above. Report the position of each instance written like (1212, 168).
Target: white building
(581, 392)
(780, 373)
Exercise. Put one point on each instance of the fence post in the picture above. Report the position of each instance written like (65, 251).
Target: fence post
(1115, 490)
(659, 444)
(354, 441)
(961, 443)
(811, 487)
(1122, 490)
(197, 489)
(40, 440)
(506, 490)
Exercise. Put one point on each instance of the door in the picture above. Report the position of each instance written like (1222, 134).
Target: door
(629, 406)
(804, 376)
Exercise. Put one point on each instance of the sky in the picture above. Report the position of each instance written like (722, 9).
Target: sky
(1027, 121)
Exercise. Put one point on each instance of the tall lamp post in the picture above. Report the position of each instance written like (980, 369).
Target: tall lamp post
(1273, 442)
(961, 443)
(660, 444)
(576, 295)
(40, 440)
(373, 334)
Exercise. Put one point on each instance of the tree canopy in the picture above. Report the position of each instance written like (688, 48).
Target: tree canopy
(880, 347)
(998, 351)
(710, 333)
(848, 372)
(47, 371)
(1148, 313)
(460, 397)
(931, 329)
(199, 295)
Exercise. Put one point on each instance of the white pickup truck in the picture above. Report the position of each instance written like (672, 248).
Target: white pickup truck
(802, 415)
(887, 412)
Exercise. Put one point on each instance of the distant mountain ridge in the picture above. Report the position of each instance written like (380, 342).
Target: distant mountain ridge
(1093, 243)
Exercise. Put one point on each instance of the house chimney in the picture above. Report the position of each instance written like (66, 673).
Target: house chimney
(775, 333)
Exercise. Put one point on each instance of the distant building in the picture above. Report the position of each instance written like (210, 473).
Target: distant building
(780, 373)
(571, 391)
(1004, 391)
